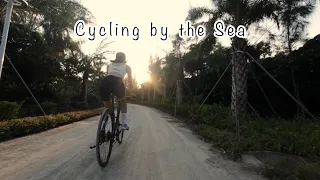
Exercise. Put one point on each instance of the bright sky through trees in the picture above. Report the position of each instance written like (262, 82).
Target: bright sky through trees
(141, 13)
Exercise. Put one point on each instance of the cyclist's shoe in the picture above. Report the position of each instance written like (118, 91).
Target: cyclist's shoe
(125, 127)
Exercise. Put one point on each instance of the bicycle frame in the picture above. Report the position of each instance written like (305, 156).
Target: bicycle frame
(114, 118)
(115, 103)
(116, 134)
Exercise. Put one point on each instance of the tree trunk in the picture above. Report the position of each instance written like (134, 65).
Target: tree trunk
(296, 92)
(149, 94)
(180, 76)
(154, 93)
(239, 80)
(179, 93)
(164, 93)
(288, 38)
(295, 85)
(84, 92)
(142, 98)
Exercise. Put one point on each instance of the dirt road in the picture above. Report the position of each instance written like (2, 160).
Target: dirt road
(156, 147)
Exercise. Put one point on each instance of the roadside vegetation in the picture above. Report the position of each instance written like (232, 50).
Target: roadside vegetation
(245, 111)
(256, 114)
(14, 128)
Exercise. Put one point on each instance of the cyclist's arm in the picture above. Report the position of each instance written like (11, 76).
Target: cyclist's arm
(129, 72)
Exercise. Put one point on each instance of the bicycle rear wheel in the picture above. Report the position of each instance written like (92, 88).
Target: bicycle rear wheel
(103, 137)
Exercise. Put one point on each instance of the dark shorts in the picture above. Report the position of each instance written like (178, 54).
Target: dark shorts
(111, 84)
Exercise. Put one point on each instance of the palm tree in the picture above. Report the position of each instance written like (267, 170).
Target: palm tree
(178, 44)
(90, 64)
(235, 12)
(169, 74)
(55, 19)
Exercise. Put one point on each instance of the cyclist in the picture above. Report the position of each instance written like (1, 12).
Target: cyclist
(113, 83)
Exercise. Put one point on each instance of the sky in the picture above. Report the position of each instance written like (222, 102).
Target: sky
(140, 14)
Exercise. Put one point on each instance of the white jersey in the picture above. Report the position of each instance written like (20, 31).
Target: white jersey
(117, 69)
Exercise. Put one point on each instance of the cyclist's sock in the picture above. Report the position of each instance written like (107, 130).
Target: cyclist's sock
(124, 118)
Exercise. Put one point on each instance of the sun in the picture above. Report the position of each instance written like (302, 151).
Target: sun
(141, 77)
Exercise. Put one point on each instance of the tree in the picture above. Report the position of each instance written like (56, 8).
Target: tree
(240, 12)
(292, 16)
(169, 74)
(178, 44)
(92, 63)
(39, 37)
(212, 65)
(30, 54)
(134, 83)
(155, 74)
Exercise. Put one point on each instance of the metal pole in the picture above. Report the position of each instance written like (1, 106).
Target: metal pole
(5, 33)
(277, 82)
(35, 99)
(211, 90)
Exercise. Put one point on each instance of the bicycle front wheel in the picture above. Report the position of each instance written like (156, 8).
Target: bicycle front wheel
(120, 135)
(103, 141)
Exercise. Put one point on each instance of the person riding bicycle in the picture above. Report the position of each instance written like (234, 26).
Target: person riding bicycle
(113, 83)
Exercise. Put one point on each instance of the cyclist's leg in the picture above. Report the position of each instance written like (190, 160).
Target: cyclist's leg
(120, 93)
(124, 111)
(105, 90)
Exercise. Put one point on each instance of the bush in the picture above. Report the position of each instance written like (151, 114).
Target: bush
(48, 107)
(297, 137)
(34, 110)
(284, 170)
(94, 101)
(81, 105)
(300, 138)
(28, 125)
(197, 99)
(9, 110)
(64, 103)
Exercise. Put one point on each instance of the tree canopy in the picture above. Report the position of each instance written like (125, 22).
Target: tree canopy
(56, 70)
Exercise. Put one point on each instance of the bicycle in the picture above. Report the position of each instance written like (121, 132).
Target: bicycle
(113, 136)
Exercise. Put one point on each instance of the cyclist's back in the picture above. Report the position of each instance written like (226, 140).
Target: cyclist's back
(117, 69)
(113, 83)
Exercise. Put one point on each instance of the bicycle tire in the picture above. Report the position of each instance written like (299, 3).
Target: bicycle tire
(119, 131)
(102, 135)
(120, 136)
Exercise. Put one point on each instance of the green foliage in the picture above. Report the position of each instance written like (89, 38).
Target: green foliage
(292, 17)
(297, 137)
(286, 171)
(309, 171)
(28, 125)
(9, 110)
(94, 101)
(81, 105)
(49, 107)
(211, 114)
(54, 74)
(34, 110)
(202, 71)
(197, 99)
